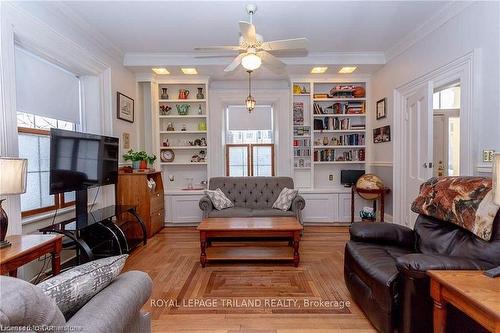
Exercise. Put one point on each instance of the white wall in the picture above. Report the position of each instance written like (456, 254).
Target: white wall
(476, 27)
(275, 93)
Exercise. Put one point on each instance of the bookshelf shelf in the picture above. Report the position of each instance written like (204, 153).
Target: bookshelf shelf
(338, 115)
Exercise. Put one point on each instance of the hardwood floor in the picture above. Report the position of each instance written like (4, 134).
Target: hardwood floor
(182, 290)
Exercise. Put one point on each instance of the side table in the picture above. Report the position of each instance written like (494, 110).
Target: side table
(26, 248)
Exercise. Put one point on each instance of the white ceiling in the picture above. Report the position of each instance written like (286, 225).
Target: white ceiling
(175, 27)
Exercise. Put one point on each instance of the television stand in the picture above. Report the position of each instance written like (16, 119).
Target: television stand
(100, 227)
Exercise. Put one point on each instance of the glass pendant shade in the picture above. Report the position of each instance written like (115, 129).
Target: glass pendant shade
(251, 62)
(250, 103)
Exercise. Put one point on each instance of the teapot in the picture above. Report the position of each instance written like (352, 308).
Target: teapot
(183, 93)
(182, 109)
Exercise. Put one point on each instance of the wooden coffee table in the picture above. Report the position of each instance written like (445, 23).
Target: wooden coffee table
(250, 227)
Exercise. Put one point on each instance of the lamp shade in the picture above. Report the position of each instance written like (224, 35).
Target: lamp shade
(13, 175)
(496, 179)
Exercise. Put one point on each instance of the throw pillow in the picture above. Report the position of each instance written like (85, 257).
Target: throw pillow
(219, 199)
(285, 199)
(75, 287)
(23, 304)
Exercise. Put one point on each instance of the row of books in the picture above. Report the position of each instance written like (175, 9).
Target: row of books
(348, 140)
(302, 152)
(301, 142)
(301, 130)
(330, 155)
(331, 123)
(340, 108)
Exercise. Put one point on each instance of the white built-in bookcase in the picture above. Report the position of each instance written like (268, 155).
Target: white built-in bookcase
(182, 167)
(312, 171)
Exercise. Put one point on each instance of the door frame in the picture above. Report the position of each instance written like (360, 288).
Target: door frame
(464, 69)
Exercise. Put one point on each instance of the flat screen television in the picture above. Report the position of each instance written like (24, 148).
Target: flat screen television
(349, 178)
(79, 161)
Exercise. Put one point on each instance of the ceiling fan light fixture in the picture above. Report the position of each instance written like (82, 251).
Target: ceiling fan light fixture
(251, 61)
(347, 69)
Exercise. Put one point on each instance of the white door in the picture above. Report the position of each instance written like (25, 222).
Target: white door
(418, 120)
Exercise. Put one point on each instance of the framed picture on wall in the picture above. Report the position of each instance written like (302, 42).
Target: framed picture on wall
(382, 134)
(381, 108)
(124, 107)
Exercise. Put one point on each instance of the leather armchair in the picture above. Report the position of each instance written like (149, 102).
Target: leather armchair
(385, 270)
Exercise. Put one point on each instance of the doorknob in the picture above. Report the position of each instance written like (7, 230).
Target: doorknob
(425, 165)
(430, 164)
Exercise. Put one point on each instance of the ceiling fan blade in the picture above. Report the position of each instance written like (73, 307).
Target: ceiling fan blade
(218, 48)
(235, 63)
(271, 61)
(248, 32)
(285, 44)
(215, 56)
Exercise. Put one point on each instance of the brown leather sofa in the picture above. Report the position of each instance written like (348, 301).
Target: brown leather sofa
(385, 270)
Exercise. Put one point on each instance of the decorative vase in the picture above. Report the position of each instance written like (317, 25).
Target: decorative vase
(143, 164)
(164, 93)
(202, 125)
(200, 111)
(183, 93)
(136, 165)
(200, 95)
(325, 141)
(183, 109)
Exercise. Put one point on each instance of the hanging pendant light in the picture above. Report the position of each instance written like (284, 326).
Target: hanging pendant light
(250, 101)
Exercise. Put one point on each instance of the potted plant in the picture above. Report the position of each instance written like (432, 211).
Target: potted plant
(138, 159)
(151, 159)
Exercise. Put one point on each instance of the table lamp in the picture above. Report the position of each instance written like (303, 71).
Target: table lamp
(12, 181)
(496, 178)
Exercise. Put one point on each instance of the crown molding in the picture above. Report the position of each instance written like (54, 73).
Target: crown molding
(61, 18)
(438, 19)
(193, 59)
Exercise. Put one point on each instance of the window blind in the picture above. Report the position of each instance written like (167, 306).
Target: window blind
(45, 89)
(239, 119)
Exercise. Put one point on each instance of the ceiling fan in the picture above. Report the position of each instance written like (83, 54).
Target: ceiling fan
(253, 50)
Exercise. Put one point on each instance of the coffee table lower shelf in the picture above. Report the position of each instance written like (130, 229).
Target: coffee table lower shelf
(250, 253)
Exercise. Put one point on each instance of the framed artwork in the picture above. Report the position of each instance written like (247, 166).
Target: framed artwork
(124, 107)
(126, 140)
(382, 134)
(381, 108)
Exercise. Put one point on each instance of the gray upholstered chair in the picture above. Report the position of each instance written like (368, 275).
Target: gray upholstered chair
(115, 309)
(252, 197)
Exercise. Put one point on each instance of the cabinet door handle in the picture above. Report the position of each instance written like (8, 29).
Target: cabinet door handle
(157, 194)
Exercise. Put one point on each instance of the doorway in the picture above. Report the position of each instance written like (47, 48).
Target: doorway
(446, 131)
(415, 140)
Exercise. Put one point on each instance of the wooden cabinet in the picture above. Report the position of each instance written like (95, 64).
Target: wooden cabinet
(132, 189)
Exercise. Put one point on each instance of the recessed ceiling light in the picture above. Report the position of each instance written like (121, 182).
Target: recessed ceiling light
(318, 70)
(189, 71)
(347, 69)
(161, 71)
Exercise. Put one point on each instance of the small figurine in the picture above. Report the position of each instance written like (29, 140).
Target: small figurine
(183, 127)
(194, 158)
(170, 127)
(165, 110)
(203, 142)
(201, 156)
(200, 111)
(166, 143)
(325, 141)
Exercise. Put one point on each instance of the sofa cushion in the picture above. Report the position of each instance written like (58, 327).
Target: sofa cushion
(231, 212)
(271, 212)
(219, 199)
(73, 288)
(284, 200)
(376, 266)
(247, 212)
(23, 303)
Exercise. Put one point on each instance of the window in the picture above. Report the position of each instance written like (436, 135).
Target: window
(34, 145)
(448, 98)
(47, 96)
(249, 138)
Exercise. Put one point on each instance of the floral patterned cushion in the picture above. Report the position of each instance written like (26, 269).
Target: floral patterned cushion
(75, 287)
(464, 201)
(219, 199)
(285, 199)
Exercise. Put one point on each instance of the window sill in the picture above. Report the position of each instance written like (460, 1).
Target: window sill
(45, 216)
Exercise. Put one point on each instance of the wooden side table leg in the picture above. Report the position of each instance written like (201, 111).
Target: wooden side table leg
(296, 241)
(439, 317)
(203, 246)
(56, 257)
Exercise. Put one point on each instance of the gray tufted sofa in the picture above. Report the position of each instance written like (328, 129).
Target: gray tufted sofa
(252, 197)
